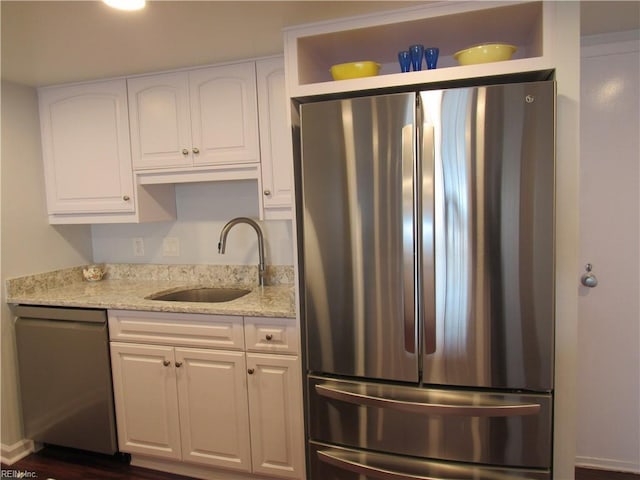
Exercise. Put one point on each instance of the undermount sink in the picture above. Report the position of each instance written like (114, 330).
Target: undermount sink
(207, 295)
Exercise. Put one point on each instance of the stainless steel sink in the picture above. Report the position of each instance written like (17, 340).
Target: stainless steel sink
(208, 295)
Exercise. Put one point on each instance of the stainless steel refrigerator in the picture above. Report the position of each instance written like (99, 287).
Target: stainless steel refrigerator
(426, 254)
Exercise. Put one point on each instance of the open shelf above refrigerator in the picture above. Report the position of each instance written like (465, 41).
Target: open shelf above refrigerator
(312, 49)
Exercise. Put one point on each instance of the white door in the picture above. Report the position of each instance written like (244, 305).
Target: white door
(224, 114)
(608, 384)
(159, 121)
(86, 148)
(276, 151)
(146, 400)
(275, 401)
(214, 418)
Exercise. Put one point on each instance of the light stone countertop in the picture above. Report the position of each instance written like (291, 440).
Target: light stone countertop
(126, 287)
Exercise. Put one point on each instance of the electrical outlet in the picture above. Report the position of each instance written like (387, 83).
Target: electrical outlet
(171, 247)
(138, 247)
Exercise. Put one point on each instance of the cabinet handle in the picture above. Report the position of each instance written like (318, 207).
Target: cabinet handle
(178, 364)
(250, 371)
(267, 193)
(268, 336)
(196, 150)
(185, 152)
(166, 363)
(125, 198)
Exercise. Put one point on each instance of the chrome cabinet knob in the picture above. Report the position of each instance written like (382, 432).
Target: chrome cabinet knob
(126, 198)
(196, 150)
(178, 364)
(250, 371)
(185, 151)
(267, 192)
(166, 363)
(589, 279)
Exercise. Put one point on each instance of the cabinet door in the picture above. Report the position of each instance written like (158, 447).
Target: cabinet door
(159, 121)
(144, 387)
(276, 154)
(224, 115)
(213, 407)
(275, 409)
(85, 147)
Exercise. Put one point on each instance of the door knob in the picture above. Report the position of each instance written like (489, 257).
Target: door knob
(196, 150)
(185, 151)
(588, 278)
(166, 363)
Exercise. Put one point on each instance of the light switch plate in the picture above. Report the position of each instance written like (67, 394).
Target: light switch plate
(171, 247)
(138, 247)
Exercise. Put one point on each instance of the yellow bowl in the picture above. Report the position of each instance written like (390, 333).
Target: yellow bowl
(344, 71)
(485, 53)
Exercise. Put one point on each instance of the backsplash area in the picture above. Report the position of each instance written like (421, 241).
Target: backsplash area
(203, 209)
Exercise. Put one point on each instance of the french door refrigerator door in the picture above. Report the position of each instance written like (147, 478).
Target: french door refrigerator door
(357, 161)
(494, 221)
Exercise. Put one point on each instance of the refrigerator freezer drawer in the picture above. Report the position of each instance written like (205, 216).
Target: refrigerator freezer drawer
(335, 463)
(495, 428)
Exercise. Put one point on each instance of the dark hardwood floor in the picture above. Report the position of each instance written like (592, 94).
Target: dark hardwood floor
(54, 463)
(593, 474)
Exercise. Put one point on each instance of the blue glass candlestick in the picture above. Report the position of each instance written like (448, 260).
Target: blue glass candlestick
(431, 57)
(416, 51)
(404, 58)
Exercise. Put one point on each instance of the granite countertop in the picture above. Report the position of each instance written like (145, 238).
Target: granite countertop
(126, 287)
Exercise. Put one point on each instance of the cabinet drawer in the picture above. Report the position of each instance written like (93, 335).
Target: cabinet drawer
(276, 335)
(188, 329)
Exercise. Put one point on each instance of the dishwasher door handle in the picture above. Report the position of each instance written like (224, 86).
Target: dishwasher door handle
(63, 314)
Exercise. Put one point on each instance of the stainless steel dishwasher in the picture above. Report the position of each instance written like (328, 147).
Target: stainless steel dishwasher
(65, 377)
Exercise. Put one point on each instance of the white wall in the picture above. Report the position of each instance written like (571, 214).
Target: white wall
(29, 244)
(608, 427)
(203, 209)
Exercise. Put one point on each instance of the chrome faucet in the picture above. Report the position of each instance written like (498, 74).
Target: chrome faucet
(223, 242)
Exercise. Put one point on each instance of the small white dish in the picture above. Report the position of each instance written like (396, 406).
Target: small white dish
(93, 273)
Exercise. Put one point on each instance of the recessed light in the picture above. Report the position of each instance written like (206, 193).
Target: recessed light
(126, 4)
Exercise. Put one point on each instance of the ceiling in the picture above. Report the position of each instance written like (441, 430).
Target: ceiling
(50, 42)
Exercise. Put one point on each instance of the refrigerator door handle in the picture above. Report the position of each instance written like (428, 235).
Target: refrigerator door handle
(334, 458)
(408, 239)
(493, 409)
(428, 241)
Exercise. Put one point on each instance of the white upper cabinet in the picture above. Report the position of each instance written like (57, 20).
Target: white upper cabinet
(196, 118)
(311, 50)
(87, 163)
(224, 115)
(87, 158)
(275, 139)
(160, 121)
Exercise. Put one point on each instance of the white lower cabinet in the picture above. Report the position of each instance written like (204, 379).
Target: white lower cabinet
(221, 408)
(182, 403)
(145, 391)
(212, 398)
(275, 409)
